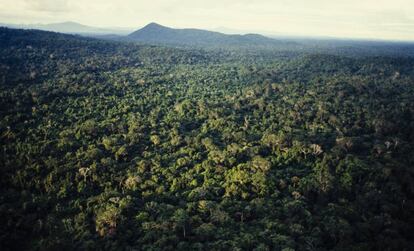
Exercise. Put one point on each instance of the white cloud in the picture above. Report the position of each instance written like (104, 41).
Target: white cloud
(48, 5)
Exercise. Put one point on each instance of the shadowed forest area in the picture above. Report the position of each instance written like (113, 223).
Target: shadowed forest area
(110, 145)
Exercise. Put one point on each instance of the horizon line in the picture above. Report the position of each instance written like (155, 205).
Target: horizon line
(217, 29)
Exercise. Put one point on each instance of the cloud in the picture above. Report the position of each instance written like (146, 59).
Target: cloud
(48, 5)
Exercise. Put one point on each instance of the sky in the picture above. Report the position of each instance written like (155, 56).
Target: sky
(369, 19)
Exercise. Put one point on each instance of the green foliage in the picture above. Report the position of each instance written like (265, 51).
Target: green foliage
(116, 146)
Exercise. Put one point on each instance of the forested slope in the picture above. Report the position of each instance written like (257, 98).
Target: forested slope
(116, 146)
(158, 34)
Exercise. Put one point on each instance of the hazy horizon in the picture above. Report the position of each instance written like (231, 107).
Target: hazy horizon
(378, 20)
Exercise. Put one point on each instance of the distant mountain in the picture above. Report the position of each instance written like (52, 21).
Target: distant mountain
(157, 34)
(70, 28)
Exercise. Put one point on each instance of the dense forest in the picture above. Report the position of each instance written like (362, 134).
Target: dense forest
(111, 145)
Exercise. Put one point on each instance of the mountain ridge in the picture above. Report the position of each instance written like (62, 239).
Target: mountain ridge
(160, 34)
(69, 27)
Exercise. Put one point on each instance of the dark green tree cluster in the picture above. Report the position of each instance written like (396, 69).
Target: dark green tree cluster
(115, 146)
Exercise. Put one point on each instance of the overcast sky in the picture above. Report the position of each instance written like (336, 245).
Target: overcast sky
(373, 19)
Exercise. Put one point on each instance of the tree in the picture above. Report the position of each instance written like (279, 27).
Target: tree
(180, 219)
